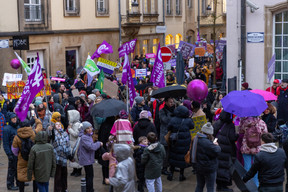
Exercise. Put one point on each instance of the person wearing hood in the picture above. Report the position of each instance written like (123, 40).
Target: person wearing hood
(86, 153)
(25, 131)
(124, 179)
(224, 130)
(153, 157)
(180, 124)
(42, 162)
(270, 164)
(74, 129)
(9, 132)
(58, 107)
(138, 107)
(143, 127)
(282, 93)
(65, 98)
(165, 115)
(204, 158)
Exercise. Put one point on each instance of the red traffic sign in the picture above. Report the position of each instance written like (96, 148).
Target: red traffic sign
(166, 54)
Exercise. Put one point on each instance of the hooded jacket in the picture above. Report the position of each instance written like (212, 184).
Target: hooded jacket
(142, 128)
(74, 121)
(270, 164)
(165, 116)
(42, 160)
(9, 131)
(123, 181)
(153, 157)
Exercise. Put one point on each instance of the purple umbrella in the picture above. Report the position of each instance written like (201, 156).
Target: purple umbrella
(244, 103)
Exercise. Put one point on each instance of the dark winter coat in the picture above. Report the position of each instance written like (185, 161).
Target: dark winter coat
(165, 116)
(206, 155)
(140, 168)
(180, 124)
(142, 128)
(224, 130)
(270, 121)
(9, 131)
(282, 111)
(136, 110)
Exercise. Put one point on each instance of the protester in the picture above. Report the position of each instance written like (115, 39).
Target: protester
(282, 101)
(180, 124)
(269, 118)
(2, 124)
(274, 87)
(42, 162)
(204, 158)
(137, 108)
(3, 105)
(86, 153)
(269, 163)
(9, 133)
(217, 103)
(245, 86)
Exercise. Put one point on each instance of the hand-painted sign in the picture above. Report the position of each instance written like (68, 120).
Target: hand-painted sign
(106, 65)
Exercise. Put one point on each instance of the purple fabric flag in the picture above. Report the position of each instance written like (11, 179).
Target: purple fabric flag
(103, 48)
(127, 77)
(33, 85)
(271, 68)
(157, 75)
(127, 48)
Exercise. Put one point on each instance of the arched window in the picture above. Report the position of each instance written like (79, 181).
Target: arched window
(169, 39)
(178, 38)
(281, 45)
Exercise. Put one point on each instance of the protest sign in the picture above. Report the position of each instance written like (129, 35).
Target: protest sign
(186, 49)
(106, 65)
(75, 93)
(110, 88)
(152, 61)
(10, 77)
(15, 89)
(191, 63)
(141, 72)
(200, 51)
(58, 79)
(198, 124)
(173, 62)
(150, 55)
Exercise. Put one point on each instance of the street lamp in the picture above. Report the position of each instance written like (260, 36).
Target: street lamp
(135, 5)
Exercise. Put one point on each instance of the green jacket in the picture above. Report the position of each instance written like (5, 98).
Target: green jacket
(153, 157)
(42, 161)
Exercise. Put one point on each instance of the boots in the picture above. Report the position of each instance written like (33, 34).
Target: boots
(170, 177)
(78, 172)
(182, 177)
(73, 172)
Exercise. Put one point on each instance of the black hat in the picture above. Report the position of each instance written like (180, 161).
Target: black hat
(285, 80)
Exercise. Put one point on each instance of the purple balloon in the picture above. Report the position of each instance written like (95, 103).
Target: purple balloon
(197, 90)
(15, 63)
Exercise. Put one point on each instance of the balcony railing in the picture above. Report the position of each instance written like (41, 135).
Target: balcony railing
(33, 13)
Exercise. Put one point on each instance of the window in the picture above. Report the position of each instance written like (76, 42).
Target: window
(190, 5)
(224, 7)
(178, 38)
(168, 7)
(149, 6)
(145, 6)
(204, 6)
(71, 7)
(145, 47)
(102, 7)
(281, 45)
(155, 45)
(169, 39)
(71, 56)
(33, 10)
(32, 57)
(178, 7)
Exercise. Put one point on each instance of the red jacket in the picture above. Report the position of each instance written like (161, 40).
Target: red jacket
(219, 73)
(273, 90)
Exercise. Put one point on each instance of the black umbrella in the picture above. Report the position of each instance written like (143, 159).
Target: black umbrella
(108, 108)
(170, 91)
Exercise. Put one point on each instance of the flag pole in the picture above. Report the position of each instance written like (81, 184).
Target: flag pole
(127, 97)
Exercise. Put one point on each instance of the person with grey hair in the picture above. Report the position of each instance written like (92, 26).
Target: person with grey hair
(138, 107)
(204, 158)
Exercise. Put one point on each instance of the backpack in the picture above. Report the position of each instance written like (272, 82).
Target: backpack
(26, 145)
(253, 136)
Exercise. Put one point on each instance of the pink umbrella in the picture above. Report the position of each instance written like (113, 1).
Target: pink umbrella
(268, 96)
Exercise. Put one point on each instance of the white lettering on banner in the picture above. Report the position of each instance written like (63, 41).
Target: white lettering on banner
(102, 47)
(38, 77)
(132, 44)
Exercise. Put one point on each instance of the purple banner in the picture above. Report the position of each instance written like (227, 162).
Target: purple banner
(173, 62)
(186, 50)
(271, 68)
(127, 77)
(157, 76)
(103, 48)
(127, 48)
(33, 85)
(172, 48)
(219, 45)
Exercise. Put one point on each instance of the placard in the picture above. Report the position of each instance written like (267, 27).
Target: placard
(106, 65)
(75, 93)
(141, 72)
(198, 124)
(191, 63)
(200, 51)
(110, 88)
(10, 77)
(15, 89)
(150, 55)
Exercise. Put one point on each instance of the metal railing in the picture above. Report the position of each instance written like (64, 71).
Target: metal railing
(33, 13)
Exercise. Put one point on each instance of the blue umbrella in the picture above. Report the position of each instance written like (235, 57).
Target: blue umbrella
(244, 103)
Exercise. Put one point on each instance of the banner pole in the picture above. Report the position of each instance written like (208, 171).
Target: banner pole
(127, 97)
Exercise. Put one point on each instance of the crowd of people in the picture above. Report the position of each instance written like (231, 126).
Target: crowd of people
(60, 131)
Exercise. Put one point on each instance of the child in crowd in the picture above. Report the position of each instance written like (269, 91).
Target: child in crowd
(153, 157)
(123, 181)
(143, 143)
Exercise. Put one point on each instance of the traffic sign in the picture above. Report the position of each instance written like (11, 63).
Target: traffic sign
(166, 54)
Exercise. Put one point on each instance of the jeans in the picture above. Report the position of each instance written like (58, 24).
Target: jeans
(89, 178)
(150, 185)
(248, 161)
(208, 178)
(43, 187)
(271, 189)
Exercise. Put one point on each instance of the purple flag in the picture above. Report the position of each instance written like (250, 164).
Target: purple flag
(186, 50)
(271, 68)
(127, 77)
(103, 48)
(127, 48)
(157, 75)
(33, 85)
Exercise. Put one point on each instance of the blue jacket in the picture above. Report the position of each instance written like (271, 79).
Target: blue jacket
(87, 148)
(9, 132)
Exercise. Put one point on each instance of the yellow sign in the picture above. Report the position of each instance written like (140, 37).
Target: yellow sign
(198, 124)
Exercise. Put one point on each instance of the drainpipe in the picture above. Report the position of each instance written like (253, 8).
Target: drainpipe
(243, 38)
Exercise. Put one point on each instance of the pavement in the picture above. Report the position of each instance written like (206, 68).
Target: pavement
(74, 183)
